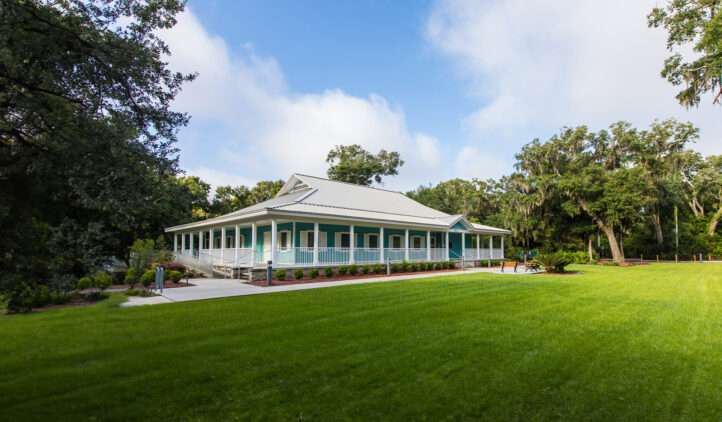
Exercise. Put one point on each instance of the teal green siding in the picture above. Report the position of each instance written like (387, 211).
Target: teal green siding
(458, 226)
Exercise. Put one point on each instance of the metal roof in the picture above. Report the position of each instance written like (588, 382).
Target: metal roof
(332, 199)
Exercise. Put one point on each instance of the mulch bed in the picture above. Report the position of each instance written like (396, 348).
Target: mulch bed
(322, 278)
(626, 264)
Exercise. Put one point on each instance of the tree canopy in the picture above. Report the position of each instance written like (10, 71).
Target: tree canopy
(696, 22)
(353, 164)
(86, 133)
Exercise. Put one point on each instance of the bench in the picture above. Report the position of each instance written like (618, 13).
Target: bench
(505, 264)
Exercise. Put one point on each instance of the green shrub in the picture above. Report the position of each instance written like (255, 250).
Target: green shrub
(59, 299)
(555, 262)
(377, 268)
(594, 261)
(146, 279)
(580, 257)
(313, 272)
(404, 266)
(452, 264)
(366, 269)
(395, 267)
(414, 267)
(353, 269)
(118, 277)
(298, 273)
(103, 280)
(187, 275)
(280, 274)
(131, 277)
(174, 276)
(342, 270)
(85, 283)
(96, 296)
(611, 263)
(445, 264)
(438, 266)
(328, 271)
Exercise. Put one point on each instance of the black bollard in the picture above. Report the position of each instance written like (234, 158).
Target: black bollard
(269, 275)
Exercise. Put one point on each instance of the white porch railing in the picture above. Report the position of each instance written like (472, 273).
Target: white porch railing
(206, 259)
(367, 255)
(438, 254)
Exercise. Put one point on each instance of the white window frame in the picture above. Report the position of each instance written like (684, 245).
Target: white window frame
(279, 237)
(421, 242)
(367, 240)
(304, 238)
(337, 243)
(391, 241)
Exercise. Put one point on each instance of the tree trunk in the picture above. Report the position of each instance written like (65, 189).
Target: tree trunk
(590, 247)
(657, 228)
(714, 221)
(617, 253)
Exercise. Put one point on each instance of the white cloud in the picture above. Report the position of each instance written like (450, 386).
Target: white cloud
(535, 66)
(245, 122)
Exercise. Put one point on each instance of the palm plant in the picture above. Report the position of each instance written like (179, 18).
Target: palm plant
(555, 262)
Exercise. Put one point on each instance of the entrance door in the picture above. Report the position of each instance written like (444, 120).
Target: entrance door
(266, 247)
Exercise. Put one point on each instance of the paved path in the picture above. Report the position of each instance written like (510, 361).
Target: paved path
(212, 288)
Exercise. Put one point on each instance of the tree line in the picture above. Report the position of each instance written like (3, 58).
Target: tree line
(627, 186)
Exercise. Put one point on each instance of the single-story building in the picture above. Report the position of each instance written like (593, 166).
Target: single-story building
(316, 222)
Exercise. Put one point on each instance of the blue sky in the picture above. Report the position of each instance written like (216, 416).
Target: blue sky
(456, 86)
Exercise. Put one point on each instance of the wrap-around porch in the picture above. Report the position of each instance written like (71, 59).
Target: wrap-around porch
(313, 244)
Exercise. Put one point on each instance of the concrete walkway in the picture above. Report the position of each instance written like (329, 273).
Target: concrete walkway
(213, 288)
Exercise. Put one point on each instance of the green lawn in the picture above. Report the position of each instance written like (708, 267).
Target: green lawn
(637, 343)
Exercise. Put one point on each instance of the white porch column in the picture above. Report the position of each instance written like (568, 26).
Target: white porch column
(502, 247)
(210, 239)
(223, 245)
(200, 242)
(446, 244)
(463, 245)
(350, 244)
(253, 244)
(381, 244)
(428, 245)
(406, 244)
(190, 237)
(491, 249)
(293, 243)
(237, 242)
(478, 243)
(315, 244)
(274, 233)
(175, 242)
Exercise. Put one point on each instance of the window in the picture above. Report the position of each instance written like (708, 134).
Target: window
(433, 242)
(416, 242)
(284, 239)
(372, 241)
(309, 239)
(396, 242)
(345, 240)
(229, 242)
(216, 242)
